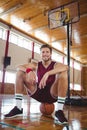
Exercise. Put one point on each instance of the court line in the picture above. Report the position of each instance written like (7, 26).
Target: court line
(32, 118)
(12, 126)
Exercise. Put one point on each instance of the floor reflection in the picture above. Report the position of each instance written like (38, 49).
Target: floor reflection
(32, 119)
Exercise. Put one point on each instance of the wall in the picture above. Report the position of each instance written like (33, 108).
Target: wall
(9, 88)
(75, 76)
(18, 55)
(84, 79)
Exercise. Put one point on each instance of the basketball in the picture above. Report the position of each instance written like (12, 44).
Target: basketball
(46, 109)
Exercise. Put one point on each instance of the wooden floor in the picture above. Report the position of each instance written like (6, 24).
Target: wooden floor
(32, 119)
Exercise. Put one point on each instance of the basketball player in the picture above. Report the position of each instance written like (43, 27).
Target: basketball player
(46, 81)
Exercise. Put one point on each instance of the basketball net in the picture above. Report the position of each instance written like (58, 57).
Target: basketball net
(63, 15)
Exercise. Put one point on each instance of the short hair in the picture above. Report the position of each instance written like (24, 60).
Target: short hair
(46, 46)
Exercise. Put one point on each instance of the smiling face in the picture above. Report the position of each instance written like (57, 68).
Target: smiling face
(46, 54)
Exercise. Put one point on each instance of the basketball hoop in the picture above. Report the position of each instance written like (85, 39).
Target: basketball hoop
(62, 15)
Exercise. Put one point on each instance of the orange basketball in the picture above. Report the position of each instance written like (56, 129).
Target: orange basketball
(46, 109)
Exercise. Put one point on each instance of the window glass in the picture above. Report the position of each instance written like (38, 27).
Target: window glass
(27, 44)
(13, 38)
(75, 87)
(65, 61)
(57, 57)
(10, 77)
(37, 48)
(77, 65)
(20, 41)
(4, 36)
(0, 76)
(71, 86)
(1, 32)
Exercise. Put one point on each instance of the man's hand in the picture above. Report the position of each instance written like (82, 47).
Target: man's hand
(43, 81)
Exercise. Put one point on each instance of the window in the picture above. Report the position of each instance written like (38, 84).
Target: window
(77, 65)
(65, 61)
(10, 77)
(1, 32)
(0, 76)
(37, 48)
(4, 34)
(20, 41)
(27, 44)
(77, 87)
(13, 38)
(57, 57)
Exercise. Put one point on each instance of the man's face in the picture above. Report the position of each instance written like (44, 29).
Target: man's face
(45, 54)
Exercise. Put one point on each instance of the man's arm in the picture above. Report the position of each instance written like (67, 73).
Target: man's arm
(26, 66)
(58, 68)
(29, 70)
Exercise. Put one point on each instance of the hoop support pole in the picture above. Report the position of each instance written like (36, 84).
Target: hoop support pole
(68, 60)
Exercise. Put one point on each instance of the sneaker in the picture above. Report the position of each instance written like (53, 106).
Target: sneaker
(60, 117)
(14, 112)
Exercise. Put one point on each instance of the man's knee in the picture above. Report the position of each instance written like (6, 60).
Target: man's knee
(20, 74)
(63, 75)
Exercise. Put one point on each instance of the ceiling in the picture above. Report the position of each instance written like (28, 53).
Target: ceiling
(31, 16)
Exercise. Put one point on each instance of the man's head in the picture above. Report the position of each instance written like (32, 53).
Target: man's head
(46, 46)
(46, 52)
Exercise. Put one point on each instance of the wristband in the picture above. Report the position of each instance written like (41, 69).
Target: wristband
(28, 70)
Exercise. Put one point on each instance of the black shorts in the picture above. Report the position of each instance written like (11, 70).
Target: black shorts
(43, 95)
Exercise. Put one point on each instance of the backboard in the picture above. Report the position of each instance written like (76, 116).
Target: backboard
(63, 15)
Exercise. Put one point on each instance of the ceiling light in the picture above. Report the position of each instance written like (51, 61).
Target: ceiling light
(1, 10)
(10, 10)
(41, 35)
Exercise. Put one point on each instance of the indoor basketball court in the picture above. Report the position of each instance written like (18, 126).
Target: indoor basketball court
(33, 119)
(24, 26)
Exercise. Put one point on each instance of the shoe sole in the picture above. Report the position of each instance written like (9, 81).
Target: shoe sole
(14, 116)
(56, 121)
(59, 123)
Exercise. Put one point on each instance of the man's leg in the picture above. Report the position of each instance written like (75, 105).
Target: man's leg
(59, 89)
(19, 88)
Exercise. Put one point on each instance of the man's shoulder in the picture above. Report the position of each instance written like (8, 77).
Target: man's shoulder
(53, 62)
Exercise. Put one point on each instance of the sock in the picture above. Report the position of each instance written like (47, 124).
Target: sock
(61, 102)
(18, 98)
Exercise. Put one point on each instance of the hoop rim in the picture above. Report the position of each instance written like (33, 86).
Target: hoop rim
(61, 9)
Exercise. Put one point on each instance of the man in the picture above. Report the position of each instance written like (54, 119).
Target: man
(45, 81)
